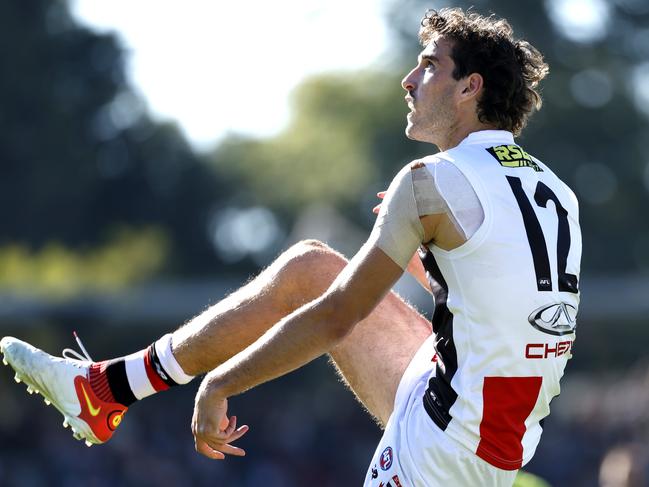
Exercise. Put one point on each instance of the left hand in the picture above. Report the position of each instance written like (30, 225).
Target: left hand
(213, 431)
(377, 208)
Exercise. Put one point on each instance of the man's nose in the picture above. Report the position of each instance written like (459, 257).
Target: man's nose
(408, 83)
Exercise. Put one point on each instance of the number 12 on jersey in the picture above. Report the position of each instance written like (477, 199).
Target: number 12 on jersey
(543, 194)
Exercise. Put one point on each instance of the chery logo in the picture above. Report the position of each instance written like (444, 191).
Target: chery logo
(556, 319)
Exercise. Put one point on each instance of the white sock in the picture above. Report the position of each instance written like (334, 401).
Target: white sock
(169, 362)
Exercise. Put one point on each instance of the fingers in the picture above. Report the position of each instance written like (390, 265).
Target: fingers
(216, 445)
(232, 424)
(218, 451)
(377, 208)
(232, 450)
(232, 433)
(204, 449)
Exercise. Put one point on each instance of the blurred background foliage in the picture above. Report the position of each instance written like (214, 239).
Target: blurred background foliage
(82, 155)
(99, 197)
(328, 153)
(58, 272)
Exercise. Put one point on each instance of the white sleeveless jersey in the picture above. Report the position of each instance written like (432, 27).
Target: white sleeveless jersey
(505, 302)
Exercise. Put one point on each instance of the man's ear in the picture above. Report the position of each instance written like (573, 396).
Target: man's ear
(471, 86)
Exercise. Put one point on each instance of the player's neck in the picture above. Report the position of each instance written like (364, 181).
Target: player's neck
(460, 131)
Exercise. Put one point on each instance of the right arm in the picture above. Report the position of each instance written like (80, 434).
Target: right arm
(414, 210)
(415, 267)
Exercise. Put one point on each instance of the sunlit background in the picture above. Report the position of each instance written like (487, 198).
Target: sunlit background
(221, 67)
(158, 154)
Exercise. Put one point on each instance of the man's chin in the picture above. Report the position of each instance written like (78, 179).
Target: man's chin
(410, 131)
(412, 134)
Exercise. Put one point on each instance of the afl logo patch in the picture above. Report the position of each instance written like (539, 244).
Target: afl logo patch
(386, 458)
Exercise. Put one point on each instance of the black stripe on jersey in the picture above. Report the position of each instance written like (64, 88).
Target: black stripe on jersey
(534, 236)
(567, 282)
(118, 382)
(440, 396)
(159, 369)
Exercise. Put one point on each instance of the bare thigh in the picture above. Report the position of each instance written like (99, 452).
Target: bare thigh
(372, 359)
(374, 356)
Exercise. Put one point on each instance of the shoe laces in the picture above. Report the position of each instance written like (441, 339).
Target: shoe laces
(73, 354)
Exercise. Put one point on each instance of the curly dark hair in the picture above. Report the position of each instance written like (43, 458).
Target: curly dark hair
(511, 69)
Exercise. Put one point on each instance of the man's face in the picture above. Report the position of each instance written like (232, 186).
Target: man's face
(431, 93)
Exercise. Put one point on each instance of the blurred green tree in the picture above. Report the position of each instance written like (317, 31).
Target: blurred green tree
(346, 138)
(345, 141)
(80, 154)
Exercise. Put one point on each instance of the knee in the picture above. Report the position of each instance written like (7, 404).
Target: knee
(310, 245)
(313, 254)
(311, 265)
(312, 250)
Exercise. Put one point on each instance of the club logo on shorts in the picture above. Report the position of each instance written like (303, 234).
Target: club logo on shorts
(386, 458)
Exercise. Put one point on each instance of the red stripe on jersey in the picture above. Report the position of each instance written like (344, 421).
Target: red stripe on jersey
(157, 383)
(508, 402)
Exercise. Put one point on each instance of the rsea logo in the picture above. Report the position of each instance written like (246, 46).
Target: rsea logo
(513, 156)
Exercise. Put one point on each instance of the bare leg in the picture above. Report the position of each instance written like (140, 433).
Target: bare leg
(371, 359)
(296, 277)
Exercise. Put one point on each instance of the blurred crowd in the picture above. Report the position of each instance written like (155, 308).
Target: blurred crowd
(306, 430)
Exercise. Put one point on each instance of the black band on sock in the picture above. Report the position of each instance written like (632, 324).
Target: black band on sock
(118, 382)
(159, 369)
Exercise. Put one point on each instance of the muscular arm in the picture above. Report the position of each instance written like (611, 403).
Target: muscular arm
(302, 336)
(431, 202)
(316, 327)
(313, 329)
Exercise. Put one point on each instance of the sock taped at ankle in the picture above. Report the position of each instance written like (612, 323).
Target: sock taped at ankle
(166, 359)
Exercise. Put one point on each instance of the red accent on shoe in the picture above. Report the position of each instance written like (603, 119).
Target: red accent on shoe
(157, 383)
(103, 417)
(99, 381)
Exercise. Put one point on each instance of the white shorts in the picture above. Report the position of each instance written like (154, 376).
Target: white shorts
(414, 452)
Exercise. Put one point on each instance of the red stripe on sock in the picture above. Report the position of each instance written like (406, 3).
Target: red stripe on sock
(99, 381)
(157, 383)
